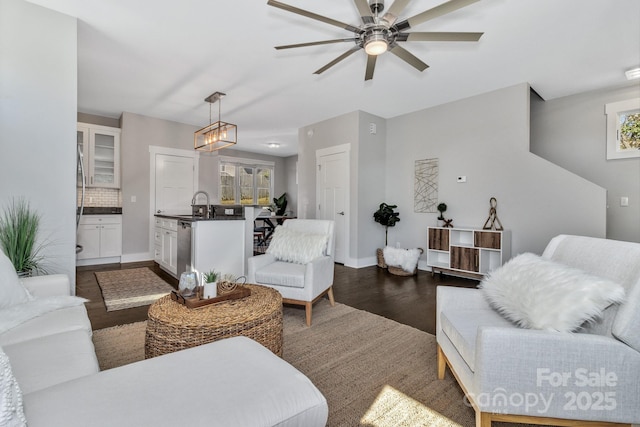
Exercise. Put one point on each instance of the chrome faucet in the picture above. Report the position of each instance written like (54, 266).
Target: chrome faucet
(199, 210)
(193, 201)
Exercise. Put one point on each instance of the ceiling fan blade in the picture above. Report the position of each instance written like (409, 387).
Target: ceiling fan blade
(364, 10)
(312, 15)
(442, 37)
(371, 65)
(432, 13)
(408, 57)
(338, 59)
(289, 46)
(394, 11)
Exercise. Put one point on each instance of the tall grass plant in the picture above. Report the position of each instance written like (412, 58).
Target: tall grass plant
(19, 226)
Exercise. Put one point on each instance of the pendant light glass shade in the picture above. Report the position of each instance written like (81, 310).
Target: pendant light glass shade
(218, 134)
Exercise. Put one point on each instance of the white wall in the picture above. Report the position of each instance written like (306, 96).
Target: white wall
(571, 132)
(38, 104)
(486, 138)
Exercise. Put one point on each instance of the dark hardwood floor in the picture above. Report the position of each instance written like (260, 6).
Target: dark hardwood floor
(410, 300)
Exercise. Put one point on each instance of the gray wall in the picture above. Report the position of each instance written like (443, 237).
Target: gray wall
(571, 132)
(367, 168)
(371, 188)
(291, 177)
(486, 138)
(38, 104)
(138, 133)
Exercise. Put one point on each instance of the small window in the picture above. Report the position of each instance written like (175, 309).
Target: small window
(623, 129)
(244, 184)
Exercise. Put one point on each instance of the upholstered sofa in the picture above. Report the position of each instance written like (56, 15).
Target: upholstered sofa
(587, 377)
(50, 377)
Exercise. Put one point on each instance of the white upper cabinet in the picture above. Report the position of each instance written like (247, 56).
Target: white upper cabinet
(100, 147)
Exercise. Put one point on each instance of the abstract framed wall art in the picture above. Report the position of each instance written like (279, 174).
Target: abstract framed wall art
(425, 187)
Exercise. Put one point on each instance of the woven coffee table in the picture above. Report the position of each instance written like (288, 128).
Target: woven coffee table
(172, 326)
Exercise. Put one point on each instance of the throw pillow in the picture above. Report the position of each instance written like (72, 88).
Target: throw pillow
(297, 246)
(11, 290)
(11, 409)
(537, 293)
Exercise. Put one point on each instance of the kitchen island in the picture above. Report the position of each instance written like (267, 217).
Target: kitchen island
(187, 242)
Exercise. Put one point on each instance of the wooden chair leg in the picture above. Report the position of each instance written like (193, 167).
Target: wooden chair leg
(442, 364)
(308, 307)
(483, 419)
(331, 299)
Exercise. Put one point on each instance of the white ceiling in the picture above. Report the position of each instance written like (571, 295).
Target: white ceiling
(162, 58)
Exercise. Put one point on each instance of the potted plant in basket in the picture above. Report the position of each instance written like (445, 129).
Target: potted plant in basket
(19, 226)
(210, 284)
(386, 216)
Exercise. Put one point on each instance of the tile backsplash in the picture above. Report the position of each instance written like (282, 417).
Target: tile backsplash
(101, 197)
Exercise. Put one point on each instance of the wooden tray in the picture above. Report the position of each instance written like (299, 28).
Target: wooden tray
(197, 302)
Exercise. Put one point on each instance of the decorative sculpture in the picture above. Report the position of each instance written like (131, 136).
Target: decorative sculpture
(490, 223)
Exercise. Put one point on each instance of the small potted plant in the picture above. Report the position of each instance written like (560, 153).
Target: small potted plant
(386, 216)
(210, 284)
(19, 226)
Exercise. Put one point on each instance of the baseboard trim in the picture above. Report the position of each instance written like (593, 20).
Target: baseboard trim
(142, 256)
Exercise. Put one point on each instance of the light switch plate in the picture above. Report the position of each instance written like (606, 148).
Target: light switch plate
(624, 201)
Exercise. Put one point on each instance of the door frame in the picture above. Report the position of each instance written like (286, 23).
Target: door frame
(167, 151)
(338, 149)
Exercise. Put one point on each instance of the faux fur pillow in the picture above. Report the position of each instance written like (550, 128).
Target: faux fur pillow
(297, 246)
(537, 293)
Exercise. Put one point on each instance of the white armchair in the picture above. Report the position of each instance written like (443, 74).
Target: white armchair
(586, 378)
(299, 262)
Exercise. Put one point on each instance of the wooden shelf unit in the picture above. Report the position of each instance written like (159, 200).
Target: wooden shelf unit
(466, 252)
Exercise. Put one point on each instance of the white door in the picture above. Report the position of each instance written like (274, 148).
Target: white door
(174, 184)
(332, 194)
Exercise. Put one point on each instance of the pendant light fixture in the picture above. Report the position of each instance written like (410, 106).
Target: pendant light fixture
(217, 135)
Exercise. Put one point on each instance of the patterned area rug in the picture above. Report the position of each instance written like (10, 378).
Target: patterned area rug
(373, 371)
(132, 287)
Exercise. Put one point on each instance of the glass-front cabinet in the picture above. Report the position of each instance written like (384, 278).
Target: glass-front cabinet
(100, 149)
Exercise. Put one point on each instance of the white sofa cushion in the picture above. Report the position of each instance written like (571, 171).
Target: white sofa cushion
(538, 293)
(461, 327)
(62, 320)
(231, 382)
(297, 246)
(11, 290)
(53, 359)
(11, 408)
(282, 274)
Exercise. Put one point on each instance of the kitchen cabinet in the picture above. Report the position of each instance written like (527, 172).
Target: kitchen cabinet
(166, 244)
(100, 148)
(467, 252)
(100, 237)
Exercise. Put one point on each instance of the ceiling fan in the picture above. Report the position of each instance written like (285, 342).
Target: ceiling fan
(379, 33)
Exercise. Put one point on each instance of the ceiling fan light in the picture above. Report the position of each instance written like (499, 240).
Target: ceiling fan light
(376, 46)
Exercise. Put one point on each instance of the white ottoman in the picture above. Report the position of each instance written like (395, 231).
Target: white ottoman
(231, 382)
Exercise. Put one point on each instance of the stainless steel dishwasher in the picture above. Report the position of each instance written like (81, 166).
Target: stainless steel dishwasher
(184, 247)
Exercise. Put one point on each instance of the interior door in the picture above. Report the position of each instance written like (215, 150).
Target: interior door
(174, 184)
(332, 195)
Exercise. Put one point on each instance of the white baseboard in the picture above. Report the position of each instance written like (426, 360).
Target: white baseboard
(97, 261)
(142, 256)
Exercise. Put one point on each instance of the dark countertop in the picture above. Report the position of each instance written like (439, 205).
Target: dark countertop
(95, 210)
(192, 218)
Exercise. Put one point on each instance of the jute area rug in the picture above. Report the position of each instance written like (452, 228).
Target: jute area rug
(373, 371)
(132, 287)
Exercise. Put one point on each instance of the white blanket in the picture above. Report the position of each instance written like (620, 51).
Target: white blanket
(15, 315)
(407, 259)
